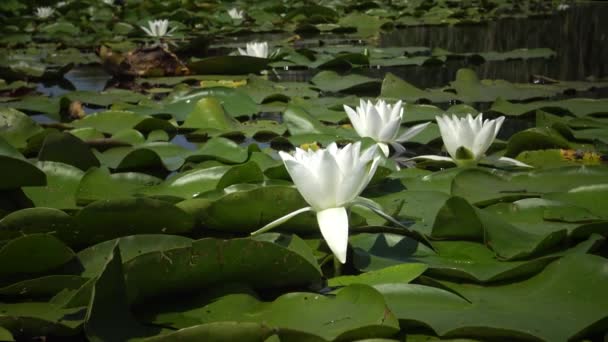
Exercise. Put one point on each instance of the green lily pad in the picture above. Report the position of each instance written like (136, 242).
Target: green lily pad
(46, 286)
(32, 254)
(333, 82)
(94, 258)
(218, 332)
(13, 163)
(259, 206)
(66, 148)
(36, 220)
(60, 189)
(99, 184)
(395, 88)
(402, 273)
(354, 312)
(512, 309)
(108, 219)
(191, 183)
(33, 319)
(16, 128)
(108, 316)
(576, 107)
(114, 121)
(210, 261)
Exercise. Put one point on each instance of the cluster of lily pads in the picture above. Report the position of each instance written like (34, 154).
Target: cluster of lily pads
(143, 211)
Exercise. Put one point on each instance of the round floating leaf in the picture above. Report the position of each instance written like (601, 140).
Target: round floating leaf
(453, 259)
(95, 257)
(13, 164)
(42, 287)
(16, 128)
(351, 313)
(108, 316)
(36, 220)
(235, 102)
(108, 219)
(396, 88)
(66, 148)
(333, 82)
(527, 309)
(34, 319)
(32, 254)
(154, 154)
(218, 332)
(221, 149)
(100, 184)
(403, 273)
(208, 113)
(192, 183)
(114, 121)
(210, 261)
(61, 187)
(258, 206)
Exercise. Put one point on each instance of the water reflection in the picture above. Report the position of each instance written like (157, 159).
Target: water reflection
(88, 77)
(577, 35)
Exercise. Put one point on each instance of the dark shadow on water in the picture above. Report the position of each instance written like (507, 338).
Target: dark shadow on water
(578, 36)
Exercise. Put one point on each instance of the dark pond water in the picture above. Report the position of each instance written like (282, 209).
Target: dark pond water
(578, 36)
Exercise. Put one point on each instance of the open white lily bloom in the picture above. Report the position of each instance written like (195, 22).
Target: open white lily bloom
(158, 28)
(467, 140)
(44, 12)
(255, 49)
(235, 13)
(382, 122)
(330, 180)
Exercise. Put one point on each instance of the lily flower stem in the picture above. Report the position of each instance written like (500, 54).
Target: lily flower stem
(337, 267)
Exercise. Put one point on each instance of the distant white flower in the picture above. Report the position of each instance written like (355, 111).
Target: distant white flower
(109, 2)
(235, 13)
(468, 139)
(158, 28)
(61, 4)
(255, 49)
(44, 12)
(563, 7)
(382, 122)
(330, 180)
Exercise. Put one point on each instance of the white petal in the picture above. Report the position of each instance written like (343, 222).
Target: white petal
(333, 223)
(306, 182)
(390, 130)
(484, 139)
(412, 132)
(243, 52)
(148, 32)
(399, 149)
(449, 135)
(499, 161)
(384, 148)
(281, 220)
(356, 121)
(433, 157)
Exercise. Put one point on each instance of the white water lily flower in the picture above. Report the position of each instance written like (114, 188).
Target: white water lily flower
(109, 2)
(44, 12)
(255, 49)
(235, 13)
(381, 122)
(467, 140)
(158, 28)
(330, 180)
